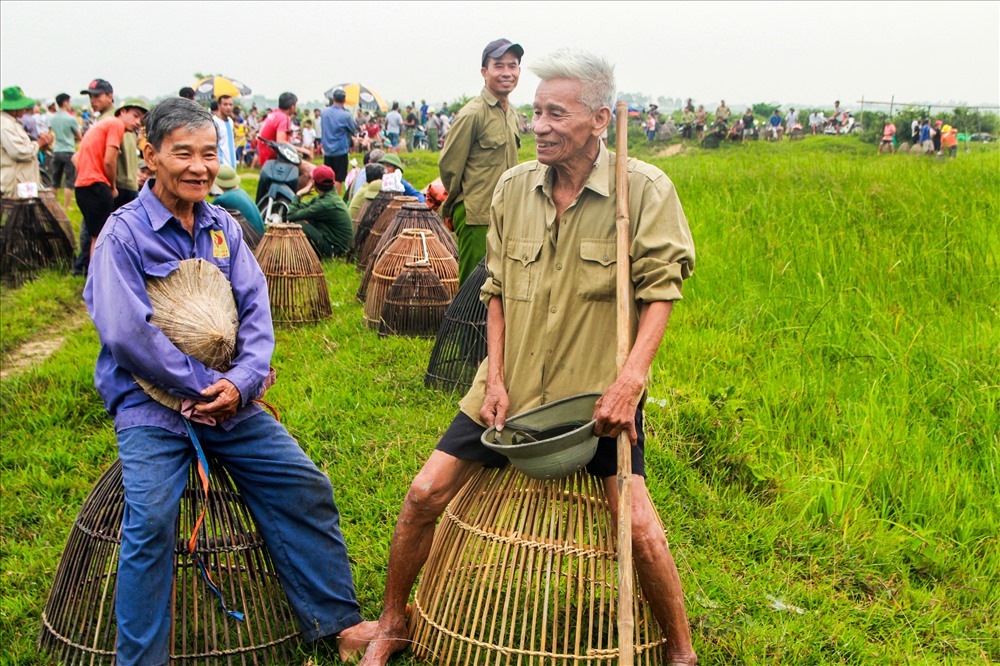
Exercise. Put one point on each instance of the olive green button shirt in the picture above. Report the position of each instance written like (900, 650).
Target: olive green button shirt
(558, 284)
(479, 147)
(127, 177)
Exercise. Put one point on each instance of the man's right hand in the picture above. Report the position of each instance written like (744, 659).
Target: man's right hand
(496, 405)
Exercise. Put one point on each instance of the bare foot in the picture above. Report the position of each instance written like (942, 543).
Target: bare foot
(391, 638)
(352, 641)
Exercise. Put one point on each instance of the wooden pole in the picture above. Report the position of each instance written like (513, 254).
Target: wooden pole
(626, 624)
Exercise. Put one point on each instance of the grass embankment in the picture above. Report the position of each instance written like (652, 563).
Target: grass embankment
(823, 425)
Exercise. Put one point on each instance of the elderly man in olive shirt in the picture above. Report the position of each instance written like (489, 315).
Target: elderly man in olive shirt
(478, 148)
(551, 332)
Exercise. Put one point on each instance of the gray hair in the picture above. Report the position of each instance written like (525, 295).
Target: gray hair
(176, 112)
(595, 73)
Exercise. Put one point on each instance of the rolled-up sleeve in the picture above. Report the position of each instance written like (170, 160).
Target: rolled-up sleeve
(119, 306)
(662, 250)
(255, 339)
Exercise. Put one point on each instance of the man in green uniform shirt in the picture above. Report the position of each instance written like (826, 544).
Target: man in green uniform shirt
(551, 334)
(479, 147)
(325, 219)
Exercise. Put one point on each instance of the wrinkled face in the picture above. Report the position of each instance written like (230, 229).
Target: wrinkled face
(563, 126)
(186, 162)
(226, 108)
(501, 74)
(132, 118)
(102, 102)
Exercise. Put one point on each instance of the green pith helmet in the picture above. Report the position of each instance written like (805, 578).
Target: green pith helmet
(14, 99)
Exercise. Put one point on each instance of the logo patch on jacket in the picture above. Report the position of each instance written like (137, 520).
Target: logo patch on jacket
(220, 249)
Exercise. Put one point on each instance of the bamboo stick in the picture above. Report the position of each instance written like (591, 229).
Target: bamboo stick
(626, 624)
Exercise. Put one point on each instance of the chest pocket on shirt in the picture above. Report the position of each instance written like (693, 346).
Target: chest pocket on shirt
(492, 139)
(597, 269)
(521, 268)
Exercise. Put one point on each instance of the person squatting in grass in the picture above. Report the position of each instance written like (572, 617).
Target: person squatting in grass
(553, 219)
(291, 499)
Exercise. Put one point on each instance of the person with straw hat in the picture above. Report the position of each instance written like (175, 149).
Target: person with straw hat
(291, 499)
(19, 154)
(551, 301)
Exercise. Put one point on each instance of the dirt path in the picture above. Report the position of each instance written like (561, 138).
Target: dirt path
(671, 150)
(35, 351)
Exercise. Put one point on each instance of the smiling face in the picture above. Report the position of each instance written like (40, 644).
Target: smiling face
(565, 129)
(186, 163)
(501, 74)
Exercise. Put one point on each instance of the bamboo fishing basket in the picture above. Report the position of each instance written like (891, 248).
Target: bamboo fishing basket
(296, 284)
(410, 216)
(412, 246)
(415, 304)
(78, 623)
(461, 341)
(31, 239)
(372, 213)
(195, 309)
(50, 201)
(360, 212)
(378, 229)
(523, 571)
(250, 234)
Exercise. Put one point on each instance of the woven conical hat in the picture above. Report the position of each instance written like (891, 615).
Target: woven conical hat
(195, 309)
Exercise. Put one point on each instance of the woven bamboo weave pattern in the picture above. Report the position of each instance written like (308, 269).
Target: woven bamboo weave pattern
(250, 234)
(78, 624)
(461, 341)
(296, 285)
(415, 304)
(412, 246)
(372, 213)
(378, 228)
(31, 239)
(523, 571)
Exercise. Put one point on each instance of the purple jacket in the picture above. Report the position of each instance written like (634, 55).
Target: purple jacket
(142, 239)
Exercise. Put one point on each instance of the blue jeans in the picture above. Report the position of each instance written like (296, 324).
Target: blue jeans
(290, 499)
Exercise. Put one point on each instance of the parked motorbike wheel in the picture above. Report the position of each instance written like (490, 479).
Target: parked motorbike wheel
(274, 210)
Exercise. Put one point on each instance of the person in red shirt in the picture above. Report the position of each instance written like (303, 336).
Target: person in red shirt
(97, 166)
(277, 127)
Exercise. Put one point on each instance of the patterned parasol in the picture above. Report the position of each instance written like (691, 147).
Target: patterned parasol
(212, 87)
(360, 95)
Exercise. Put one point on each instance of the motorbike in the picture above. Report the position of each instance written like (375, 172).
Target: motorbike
(278, 179)
(420, 140)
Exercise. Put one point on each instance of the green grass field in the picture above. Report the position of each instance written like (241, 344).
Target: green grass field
(823, 418)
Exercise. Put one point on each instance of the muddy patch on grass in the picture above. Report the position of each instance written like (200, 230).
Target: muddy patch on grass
(671, 150)
(35, 351)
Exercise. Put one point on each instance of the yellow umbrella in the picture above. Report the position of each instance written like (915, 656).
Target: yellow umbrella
(213, 87)
(360, 95)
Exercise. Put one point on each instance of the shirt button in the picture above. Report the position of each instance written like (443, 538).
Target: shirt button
(553, 310)
(607, 258)
(558, 267)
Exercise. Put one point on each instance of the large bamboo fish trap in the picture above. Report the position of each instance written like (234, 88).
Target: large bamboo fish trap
(50, 201)
(250, 234)
(378, 229)
(372, 213)
(415, 304)
(78, 624)
(412, 246)
(31, 239)
(461, 340)
(296, 284)
(524, 571)
(413, 215)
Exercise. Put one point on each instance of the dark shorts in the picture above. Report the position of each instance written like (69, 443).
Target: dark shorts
(96, 202)
(62, 171)
(462, 440)
(339, 165)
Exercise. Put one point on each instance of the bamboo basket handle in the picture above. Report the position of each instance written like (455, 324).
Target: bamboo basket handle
(626, 623)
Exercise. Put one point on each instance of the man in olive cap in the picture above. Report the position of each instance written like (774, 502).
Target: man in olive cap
(479, 147)
(19, 154)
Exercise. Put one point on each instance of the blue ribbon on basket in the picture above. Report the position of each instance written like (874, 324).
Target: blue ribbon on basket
(203, 476)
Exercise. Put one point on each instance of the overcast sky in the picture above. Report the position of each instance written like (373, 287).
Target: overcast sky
(787, 52)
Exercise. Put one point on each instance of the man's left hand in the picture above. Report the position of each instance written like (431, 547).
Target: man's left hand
(615, 410)
(225, 404)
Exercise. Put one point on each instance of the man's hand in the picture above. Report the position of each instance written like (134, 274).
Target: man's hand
(114, 192)
(615, 410)
(496, 405)
(44, 140)
(225, 404)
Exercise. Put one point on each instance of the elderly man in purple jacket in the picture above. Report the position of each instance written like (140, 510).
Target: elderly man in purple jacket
(291, 500)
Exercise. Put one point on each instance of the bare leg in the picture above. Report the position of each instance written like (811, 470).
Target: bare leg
(440, 479)
(661, 584)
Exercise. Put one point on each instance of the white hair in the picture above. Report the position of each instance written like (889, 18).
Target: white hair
(595, 73)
